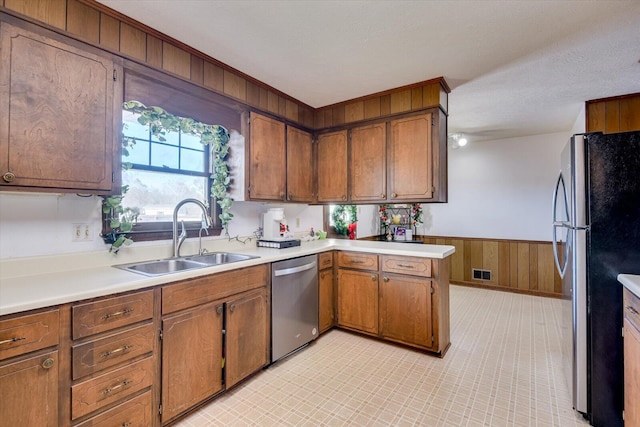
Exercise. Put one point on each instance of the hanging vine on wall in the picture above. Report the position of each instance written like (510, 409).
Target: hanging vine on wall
(160, 122)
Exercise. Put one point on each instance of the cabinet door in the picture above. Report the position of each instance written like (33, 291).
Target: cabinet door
(325, 303)
(29, 391)
(358, 300)
(191, 358)
(405, 310)
(267, 158)
(631, 374)
(411, 159)
(300, 171)
(332, 167)
(247, 336)
(368, 163)
(59, 110)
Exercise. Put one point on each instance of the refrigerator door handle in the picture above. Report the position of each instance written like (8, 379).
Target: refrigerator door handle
(559, 184)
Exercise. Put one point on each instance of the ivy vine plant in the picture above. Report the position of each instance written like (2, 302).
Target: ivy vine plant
(161, 122)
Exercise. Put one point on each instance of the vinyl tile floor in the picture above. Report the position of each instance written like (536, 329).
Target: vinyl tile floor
(503, 368)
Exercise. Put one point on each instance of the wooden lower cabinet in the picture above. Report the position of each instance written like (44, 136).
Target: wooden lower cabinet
(405, 310)
(191, 358)
(396, 298)
(326, 297)
(29, 391)
(208, 346)
(135, 412)
(358, 300)
(247, 336)
(631, 359)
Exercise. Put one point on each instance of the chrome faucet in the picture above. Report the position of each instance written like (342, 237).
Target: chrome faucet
(177, 240)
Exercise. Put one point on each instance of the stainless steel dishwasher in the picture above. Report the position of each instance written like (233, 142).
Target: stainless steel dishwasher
(294, 304)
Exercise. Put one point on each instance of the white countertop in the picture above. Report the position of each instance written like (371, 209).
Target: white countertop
(28, 284)
(631, 282)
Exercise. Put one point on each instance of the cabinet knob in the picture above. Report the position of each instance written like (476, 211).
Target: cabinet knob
(382, 196)
(232, 308)
(219, 310)
(48, 363)
(9, 176)
(281, 196)
(344, 197)
(385, 279)
(374, 277)
(394, 195)
(289, 197)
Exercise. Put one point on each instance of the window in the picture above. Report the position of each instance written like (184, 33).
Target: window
(163, 167)
(163, 170)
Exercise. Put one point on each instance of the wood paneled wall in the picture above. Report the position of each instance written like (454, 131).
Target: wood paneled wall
(612, 115)
(516, 265)
(94, 23)
(418, 96)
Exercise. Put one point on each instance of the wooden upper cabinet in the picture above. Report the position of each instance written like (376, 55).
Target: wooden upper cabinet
(332, 167)
(60, 114)
(367, 171)
(411, 159)
(267, 158)
(300, 170)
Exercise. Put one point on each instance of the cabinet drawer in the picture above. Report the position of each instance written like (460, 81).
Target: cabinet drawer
(134, 412)
(325, 260)
(95, 355)
(28, 333)
(98, 392)
(103, 315)
(191, 293)
(358, 260)
(414, 266)
(631, 307)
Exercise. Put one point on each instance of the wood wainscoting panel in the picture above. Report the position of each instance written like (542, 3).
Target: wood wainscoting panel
(515, 265)
(83, 21)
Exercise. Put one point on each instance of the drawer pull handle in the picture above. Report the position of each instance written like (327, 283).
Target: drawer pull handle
(406, 266)
(117, 313)
(126, 425)
(357, 261)
(117, 350)
(14, 339)
(633, 310)
(116, 387)
(48, 363)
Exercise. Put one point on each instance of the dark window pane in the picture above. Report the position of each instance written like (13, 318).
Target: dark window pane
(138, 154)
(164, 156)
(131, 126)
(191, 141)
(192, 160)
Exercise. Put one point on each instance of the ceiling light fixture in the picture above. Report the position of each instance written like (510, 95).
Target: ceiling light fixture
(457, 140)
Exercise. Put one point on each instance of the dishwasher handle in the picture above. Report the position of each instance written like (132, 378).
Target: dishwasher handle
(293, 270)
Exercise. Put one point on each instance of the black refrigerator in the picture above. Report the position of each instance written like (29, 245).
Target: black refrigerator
(596, 232)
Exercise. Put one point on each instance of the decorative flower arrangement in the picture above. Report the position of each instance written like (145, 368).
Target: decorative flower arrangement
(385, 218)
(416, 215)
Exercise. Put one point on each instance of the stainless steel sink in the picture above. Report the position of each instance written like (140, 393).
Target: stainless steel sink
(217, 258)
(161, 267)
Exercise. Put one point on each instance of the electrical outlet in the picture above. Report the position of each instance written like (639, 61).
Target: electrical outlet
(81, 232)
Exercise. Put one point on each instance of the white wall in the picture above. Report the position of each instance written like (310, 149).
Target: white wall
(497, 189)
(43, 224)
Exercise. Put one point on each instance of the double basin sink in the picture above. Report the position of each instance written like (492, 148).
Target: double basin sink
(161, 267)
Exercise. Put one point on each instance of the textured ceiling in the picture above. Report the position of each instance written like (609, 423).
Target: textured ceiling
(515, 67)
